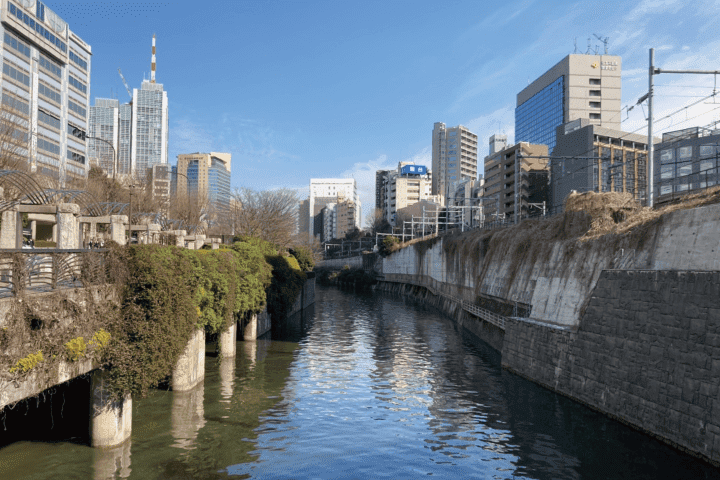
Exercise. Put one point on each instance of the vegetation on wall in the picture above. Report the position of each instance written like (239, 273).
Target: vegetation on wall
(159, 295)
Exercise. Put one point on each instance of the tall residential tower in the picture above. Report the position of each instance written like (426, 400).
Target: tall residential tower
(454, 158)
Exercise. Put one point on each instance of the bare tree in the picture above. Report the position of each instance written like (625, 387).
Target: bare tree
(376, 222)
(270, 215)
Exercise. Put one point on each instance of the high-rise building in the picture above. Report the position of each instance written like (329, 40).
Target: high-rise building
(149, 142)
(324, 191)
(380, 177)
(45, 90)
(598, 159)
(454, 158)
(205, 176)
(579, 86)
(161, 185)
(103, 134)
(405, 186)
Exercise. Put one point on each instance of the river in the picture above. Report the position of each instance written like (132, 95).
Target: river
(368, 386)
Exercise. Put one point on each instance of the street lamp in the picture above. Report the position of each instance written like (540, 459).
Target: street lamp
(111, 146)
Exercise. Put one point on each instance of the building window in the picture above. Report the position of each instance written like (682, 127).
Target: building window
(74, 107)
(51, 67)
(48, 146)
(77, 84)
(78, 61)
(17, 44)
(594, 116)
(16, 104)
(76, 131)
(16, 73)
(49, 92)
(594, 104)
(595, 93)
(48, 119)
(666, 156)
(684, 153)
(75, 156)
(594, 81)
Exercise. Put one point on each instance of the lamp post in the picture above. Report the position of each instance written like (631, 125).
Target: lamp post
(111, 146)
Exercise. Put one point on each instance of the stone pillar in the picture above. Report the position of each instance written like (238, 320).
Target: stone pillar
(9, 231)
(180, 238)
(68, 232)
(227, 341)
(153, 232)
(93, 230)
(33, 229)
(110, 421)
(117, 228)
(215, 243)
(54, 233)
(190, 367)
(199, 241)
(250, 329)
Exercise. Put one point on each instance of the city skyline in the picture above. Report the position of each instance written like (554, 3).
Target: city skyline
(336, 90)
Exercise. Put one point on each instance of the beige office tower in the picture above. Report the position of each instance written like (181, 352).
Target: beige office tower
(579, 86)
(324, 191)
(454, 158)
(205, 176)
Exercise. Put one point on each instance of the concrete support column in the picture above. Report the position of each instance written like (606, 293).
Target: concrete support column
(199, 241)
(227, 341)
(215, 243)
(117, 228)
(93, 230)
(190, 367)
(110, 421)
(33, 229)
(68, 232)
(153, 233)
(10, 229)
(250, 329)
(180, 238)
(55, 233)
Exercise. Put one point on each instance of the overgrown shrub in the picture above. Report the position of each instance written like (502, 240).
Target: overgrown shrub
(304, 257)
(287, 283)
(388, 245)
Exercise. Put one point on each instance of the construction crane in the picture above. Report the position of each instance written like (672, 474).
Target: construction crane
(126, 85)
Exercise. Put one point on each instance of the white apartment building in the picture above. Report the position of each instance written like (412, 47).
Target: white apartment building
(454, 158)
(324, 191)
(405, 186)
(45, 90)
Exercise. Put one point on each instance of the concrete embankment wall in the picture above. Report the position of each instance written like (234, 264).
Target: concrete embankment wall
(632, 332)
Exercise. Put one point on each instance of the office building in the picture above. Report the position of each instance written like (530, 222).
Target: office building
(380, 187)
(579, 86)
(405, 186)
(304, 217)
(205, 177)
(454, 158)
(160, 181)
(45, 91)
(598, 159)
(103, 134)
(149, 137)
(324, 191)
(466, 203)
(503, 168)
(686, 161)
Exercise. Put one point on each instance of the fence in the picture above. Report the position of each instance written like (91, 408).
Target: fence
(46, 270)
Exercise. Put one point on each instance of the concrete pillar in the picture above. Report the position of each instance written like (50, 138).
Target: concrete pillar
(10, 229)
(93, 230)
(153, 232)
(68, 232)
(190, 367)
(199, 241)
(228, 341)
(110, 421)
(112, 462)
(33, 229)
(180, 238)
(54, 233)
(215, 243)
(117, 228)
(250, 329)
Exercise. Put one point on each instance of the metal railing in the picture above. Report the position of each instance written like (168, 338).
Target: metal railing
(487, 315)
(45, 270)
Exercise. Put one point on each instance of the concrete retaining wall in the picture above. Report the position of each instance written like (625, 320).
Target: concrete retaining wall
(353, 262)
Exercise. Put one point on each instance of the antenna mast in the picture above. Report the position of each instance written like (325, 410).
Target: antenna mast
(604, 40)
(152, 70)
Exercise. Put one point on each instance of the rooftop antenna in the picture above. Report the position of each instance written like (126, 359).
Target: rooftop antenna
(575, 44)
(152, 71)
(589, 47)
(604, 40)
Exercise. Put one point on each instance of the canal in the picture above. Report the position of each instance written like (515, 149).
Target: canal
(367, 386)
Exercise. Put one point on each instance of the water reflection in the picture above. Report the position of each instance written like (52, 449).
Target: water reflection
(188, 416)
(227, 379)
(112, 463)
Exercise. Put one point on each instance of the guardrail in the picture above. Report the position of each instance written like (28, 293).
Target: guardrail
(43, 270)
(487, 315)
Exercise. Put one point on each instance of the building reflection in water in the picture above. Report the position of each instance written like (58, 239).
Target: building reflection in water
(112, 463)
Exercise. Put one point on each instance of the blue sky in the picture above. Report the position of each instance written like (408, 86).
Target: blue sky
(306, 89)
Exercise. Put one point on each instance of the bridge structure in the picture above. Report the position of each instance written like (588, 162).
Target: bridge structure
(76, 222)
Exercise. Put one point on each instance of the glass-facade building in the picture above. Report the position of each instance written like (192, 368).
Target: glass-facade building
(149, 143)
(103, 124)
(537, 118)
(685, 161)
(204, 176)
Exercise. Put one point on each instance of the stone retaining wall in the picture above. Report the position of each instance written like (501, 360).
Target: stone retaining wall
(647, 352)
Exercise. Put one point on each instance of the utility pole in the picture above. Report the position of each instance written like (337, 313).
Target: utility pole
(656, 71)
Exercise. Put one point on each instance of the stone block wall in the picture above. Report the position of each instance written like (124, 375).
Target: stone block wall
(647, 352)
